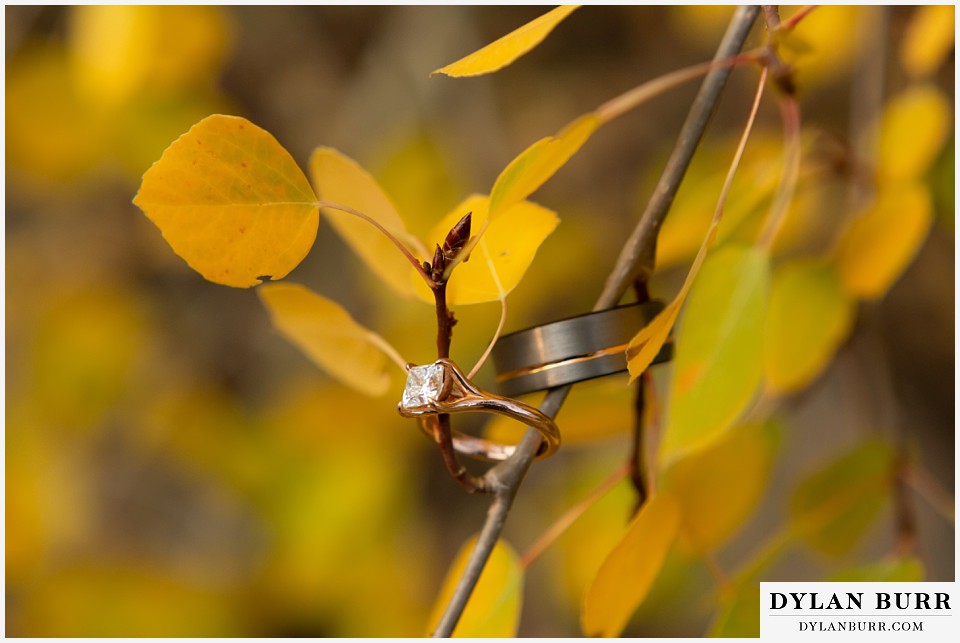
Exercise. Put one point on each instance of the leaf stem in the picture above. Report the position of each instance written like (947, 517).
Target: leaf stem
(792, 21)
(790, 114)
(388, 350)
(504, 479)
(625, 102)
(493, 340)
(570, 516)
(399, 244)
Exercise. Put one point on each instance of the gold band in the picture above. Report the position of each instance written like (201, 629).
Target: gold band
(442, 388)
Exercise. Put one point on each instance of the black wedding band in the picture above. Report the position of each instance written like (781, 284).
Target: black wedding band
(572, 350)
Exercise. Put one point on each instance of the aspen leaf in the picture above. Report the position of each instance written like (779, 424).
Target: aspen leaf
(536, 164)
(718, 356)
(504, 51)
(626, 575)
(892, 570)
(119, 51)
(328, 335)
(231, 201)
(718, 488)
(340, 179)
(808, 316)
(879, 244)
(648, 341)
(503, 254)
(831, 38)
(833, 507)
(913, 128)
(928, 39)
(51, 132)
(494, 606)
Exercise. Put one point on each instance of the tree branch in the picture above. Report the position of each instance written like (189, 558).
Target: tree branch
(504, 479)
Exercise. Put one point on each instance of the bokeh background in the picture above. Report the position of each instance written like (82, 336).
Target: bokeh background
(175, 467)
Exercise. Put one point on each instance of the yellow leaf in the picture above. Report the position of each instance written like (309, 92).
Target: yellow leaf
(536, 164)
(808, 317)
(625, 577)
(831, 37)
(339, 179)
(718, 488)
(648, 341)
(328, 335)
(835, 505)
(494, 607)
(504, 51)
(927, 40)
(508, 245)
(119, 51)
(913, 129)
(51, 132)
(719, 349)
(231, 201)
(879, 244)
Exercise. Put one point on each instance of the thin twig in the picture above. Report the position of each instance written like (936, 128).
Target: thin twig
(504, 479)
(624, 270)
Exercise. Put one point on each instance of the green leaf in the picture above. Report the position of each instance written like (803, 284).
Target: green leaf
(232, 202)
(718, 358)
(718, 488)
(536, 164)
(625, 577)
(809, 315)
(507, 49)
(494, 606)
(833, 507)
(328, 335)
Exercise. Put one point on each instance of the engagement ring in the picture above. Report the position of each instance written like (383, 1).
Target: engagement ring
(441, 388)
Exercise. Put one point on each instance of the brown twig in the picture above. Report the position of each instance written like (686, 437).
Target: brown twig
(455, 241)
(504, 479)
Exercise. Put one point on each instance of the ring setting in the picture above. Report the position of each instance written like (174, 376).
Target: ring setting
(441, 388)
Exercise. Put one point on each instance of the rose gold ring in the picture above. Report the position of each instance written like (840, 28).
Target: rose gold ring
(442, 388)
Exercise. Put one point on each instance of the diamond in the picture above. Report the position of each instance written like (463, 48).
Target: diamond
(424, 383)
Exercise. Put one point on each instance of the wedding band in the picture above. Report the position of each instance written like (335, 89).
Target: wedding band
(572, 350)
(441, 388)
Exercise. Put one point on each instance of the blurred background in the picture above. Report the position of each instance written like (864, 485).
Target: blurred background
(174, 467)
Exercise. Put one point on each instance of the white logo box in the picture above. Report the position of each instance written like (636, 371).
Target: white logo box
(859, 611)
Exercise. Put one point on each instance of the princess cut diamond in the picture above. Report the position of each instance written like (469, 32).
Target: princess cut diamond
(424, 383)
